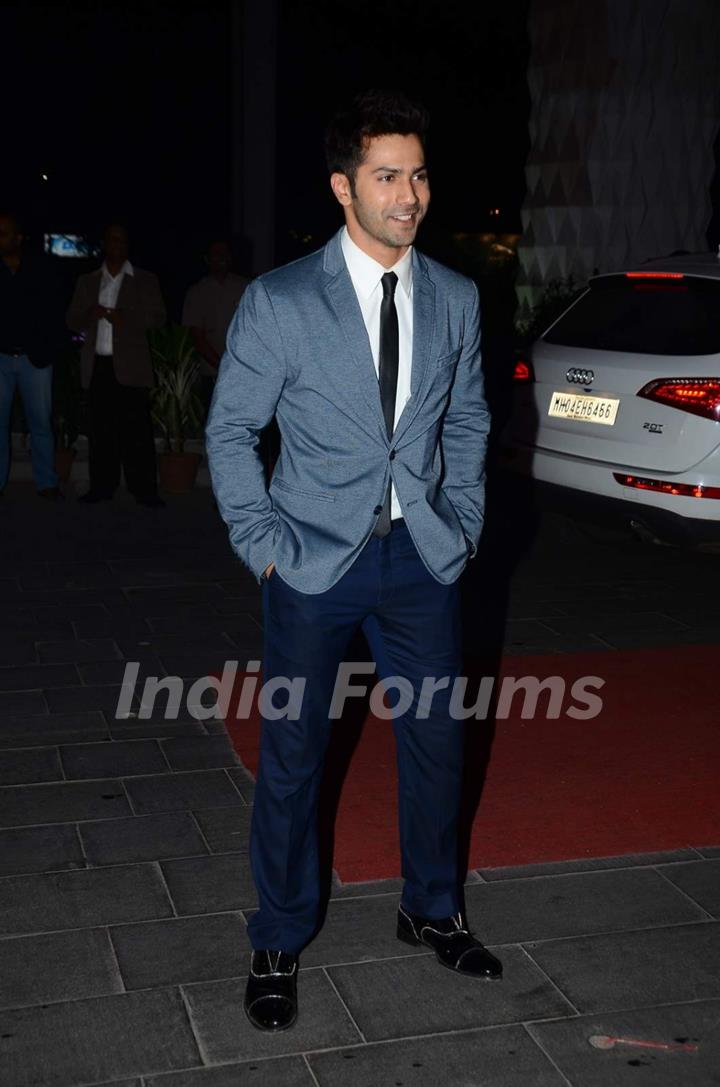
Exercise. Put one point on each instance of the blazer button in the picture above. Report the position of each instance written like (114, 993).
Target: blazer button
(377, 511)
(392, 454)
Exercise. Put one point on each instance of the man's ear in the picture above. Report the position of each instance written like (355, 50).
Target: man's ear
(340, 185)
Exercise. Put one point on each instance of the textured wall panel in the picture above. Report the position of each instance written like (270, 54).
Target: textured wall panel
(625, 102)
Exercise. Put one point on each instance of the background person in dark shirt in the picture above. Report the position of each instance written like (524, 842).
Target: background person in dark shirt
(30, 335)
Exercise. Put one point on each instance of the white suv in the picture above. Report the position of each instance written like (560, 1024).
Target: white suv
(619, 400)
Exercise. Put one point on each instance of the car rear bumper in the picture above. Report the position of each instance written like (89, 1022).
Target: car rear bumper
(589, 489)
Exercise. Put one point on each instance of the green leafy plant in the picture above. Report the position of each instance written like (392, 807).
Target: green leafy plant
(175, 403)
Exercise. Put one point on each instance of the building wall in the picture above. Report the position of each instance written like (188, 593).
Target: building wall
(625, 99)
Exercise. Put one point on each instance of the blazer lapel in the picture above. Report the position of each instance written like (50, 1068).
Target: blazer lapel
(361, 376)
(423, 331)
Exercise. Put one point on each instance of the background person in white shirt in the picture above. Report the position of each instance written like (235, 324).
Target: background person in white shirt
(114, 307)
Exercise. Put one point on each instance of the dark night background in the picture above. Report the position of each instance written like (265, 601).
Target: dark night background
(128, 110)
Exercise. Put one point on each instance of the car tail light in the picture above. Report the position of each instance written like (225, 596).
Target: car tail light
(654, 275)
(689, 490)
(523, 372)
(698, 395)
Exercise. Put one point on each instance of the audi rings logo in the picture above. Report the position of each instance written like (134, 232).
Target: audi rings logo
(580, 377)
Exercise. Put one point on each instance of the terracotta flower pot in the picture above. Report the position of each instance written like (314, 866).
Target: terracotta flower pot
(178, 471)
(64, 459)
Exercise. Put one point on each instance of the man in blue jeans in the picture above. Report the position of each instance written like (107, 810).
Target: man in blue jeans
(30, 323)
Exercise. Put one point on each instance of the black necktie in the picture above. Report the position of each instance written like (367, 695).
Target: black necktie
(388, 374)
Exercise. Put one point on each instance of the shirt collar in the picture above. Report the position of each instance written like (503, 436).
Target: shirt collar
(366, 272)
(126, 270)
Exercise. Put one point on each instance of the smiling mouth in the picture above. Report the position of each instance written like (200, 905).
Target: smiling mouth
(406, 217)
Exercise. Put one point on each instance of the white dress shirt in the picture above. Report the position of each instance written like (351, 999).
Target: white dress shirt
(109, 290)
(366, 275)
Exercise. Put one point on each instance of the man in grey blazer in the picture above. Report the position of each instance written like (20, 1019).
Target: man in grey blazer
(368, 355)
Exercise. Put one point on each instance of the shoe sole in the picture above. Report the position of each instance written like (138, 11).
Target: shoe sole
(269, 1030)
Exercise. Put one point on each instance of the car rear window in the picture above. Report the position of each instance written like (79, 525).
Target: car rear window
(654, 316)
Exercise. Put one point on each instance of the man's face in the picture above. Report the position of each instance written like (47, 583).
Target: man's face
(219, 259)
(390, 197)
(10, 237)
(116, 244)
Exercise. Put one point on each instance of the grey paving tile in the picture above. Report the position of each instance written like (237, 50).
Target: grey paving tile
(83, 699)
(358, 930)
(226, 830)
(646, 639)
(41, 729)
(108, 673)
(169, 608)
(555, 644)
(202, 753)
(248, 639)
(116, 759)
(509, 911)
(700, 880)
(119, 628)
(198, 662)
(93, 1041)
(709, 850)
(278, 1072)
(27, 703)
(178, 792)
(181, 950)
(226, 1035)
(441, 1000)
(191, 625)
(141, 838)
(587, 864)
(39, 849)
(200, 593)
(36, 677)
(58, 966)
(615, 624)
(68, 900)
(498, 1057)
(243, 782)
(567, 1044)
(16, 650)
(366, 890)
(627, 969)
(65, 802)
(31, 764)
(79, 649)
(210, 884)
(135, 729)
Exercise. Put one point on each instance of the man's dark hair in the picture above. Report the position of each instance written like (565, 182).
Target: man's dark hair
(371, 114)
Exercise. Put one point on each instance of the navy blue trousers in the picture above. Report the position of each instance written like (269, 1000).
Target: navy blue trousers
(412, 624)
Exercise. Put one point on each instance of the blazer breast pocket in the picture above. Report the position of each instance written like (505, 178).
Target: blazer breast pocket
(448, 360)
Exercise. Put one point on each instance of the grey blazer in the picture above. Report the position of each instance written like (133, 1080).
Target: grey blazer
(143, 308)
(298, 349)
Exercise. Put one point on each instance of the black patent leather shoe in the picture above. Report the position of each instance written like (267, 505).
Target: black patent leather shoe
(271, 994)
(453, 944)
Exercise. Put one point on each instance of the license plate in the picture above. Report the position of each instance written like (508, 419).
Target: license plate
(583, 409)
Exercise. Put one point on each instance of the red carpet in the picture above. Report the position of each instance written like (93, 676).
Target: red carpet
(644, 775)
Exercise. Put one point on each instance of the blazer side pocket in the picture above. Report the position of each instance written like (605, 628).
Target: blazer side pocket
(301, 492)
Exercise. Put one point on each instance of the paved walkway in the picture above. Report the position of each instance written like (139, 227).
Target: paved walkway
(125, 885)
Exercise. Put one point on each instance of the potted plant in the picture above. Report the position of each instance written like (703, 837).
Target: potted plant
(67, 408)
(176, 405)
